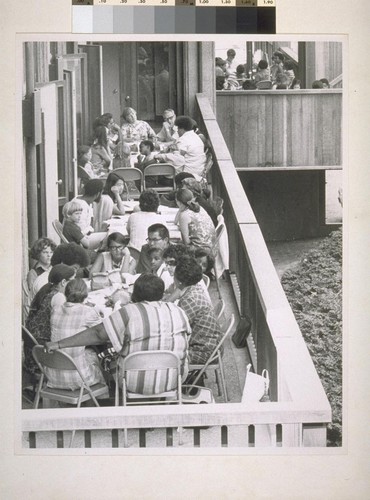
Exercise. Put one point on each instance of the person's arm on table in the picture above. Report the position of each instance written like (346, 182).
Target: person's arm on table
(91, 336)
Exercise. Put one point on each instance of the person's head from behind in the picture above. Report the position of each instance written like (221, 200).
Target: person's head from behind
(72, 211)
(296, 84)
(158, 236)
(185, 199)
(188, 272)
(156, 258)
(181, 176)
(114, 180)
(146, 147)
(325, 82)
(129, 115)
(221, 63)
(184, 124)
(282, 80)
(60, 275)
(204, 259)
(193, 185)
(148, 287)
(84, 155)
(93, 190)
(149, 201)
(262, 65)
(249, 85)
(288, 66)
(231, 54)
(240, 70)
(76, 291)
(317, 84)
(71, 254)
(117, 243)
(42, 251)
(169, 116)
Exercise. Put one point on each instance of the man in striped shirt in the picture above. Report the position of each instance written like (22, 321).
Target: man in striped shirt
(146, 324)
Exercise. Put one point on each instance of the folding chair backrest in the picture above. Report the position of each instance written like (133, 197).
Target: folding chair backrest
(219, 231)
(26, 302)
(206, 280)
(130, 174)
(57, 225)
(152, 372)
(56, 359)
(82, 174)
(160, 169)
(213, 356)
(219, 309)
(28, 339)
(264, 85)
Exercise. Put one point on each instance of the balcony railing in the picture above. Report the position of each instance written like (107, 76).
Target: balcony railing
(299, 410)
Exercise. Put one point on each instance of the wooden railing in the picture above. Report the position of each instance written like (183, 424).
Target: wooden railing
(299, 410)
(282, 128)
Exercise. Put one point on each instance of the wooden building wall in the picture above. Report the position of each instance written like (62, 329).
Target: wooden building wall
(281, 128)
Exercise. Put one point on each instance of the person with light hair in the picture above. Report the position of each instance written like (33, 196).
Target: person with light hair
(168, 133)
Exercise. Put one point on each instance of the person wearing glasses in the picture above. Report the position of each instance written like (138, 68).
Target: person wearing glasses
(168, 133)
(158, 237)
(117, 257)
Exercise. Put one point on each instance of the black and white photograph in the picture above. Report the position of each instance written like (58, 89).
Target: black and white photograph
(181, 263)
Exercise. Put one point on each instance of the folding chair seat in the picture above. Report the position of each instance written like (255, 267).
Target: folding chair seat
(215, 363)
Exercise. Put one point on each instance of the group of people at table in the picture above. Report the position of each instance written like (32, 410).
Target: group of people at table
(153, 287)
(279, 74)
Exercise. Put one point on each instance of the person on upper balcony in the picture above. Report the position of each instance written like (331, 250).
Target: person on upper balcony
(230, 62)
(277, 66)
(168, 133)
(263, 71)
(134, 129)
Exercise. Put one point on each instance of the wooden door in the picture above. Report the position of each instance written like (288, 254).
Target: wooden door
(47, 159)
(94, 80)
(78, 64)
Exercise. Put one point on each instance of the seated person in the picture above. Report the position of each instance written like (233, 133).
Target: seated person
(139, 221)
(168, 133)
(196, 226)
(206, 332)
(84, 161)
(48, 297)
(158, 237)
(289, 72)
(70, 254)
(146, 156)
(190, 146)
(159, 268)
(117, 257)
(172, 256)
(201, 196)
(102, 157)
(134, 129)
(92, 194)
(42, 252)
(317, 84)
(71, 217)
(205, 259)
(263, 71)
(66, 320)
(145, 324)
(113, 191)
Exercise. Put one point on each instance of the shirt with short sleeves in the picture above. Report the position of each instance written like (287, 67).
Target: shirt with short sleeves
(149, 326)
(72, 232)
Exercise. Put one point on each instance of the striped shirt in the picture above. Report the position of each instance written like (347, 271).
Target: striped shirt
(149, 326)
(65, 321)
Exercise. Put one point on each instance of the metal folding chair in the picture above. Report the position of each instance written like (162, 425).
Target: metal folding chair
(163, 369)
(164, 169)
(133, 177)
(215, 364)
(58, 227)
(59, 360)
